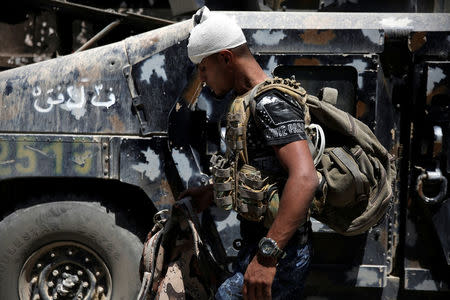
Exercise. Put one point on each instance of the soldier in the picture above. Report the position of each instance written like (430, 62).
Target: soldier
(275, 164)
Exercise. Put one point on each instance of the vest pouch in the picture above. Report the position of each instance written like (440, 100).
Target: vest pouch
(223, 182)
(251, 200)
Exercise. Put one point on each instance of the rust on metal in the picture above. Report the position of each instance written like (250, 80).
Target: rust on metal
(116, 123)
(361, 109)
(167, 198)
(307, 62)
(193, 89)
(317, 37)
(441, 89)
(416, 41)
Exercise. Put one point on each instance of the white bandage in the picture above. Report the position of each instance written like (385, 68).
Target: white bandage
(212, 32)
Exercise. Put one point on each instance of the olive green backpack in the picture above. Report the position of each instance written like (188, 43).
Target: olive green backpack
(356, 171)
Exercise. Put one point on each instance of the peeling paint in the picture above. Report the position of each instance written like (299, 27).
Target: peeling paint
(183, 165)
(361, 109)
(307, 62)
(81, 158)
(360, 66)
(28, 40)
(435, 75)
(416, 41)
(373, 35)
(427, 285)
(317, 37)
(116, 123)
(154, 64)
(271, 65)
(268, 38)
(151, 167)
(368, 277)
(395, 22)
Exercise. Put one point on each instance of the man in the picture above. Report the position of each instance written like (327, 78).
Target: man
(275, 260)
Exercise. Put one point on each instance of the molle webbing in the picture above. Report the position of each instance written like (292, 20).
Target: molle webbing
(237, 185)
(289, 87)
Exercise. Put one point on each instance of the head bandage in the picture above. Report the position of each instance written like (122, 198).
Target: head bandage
(212, 33)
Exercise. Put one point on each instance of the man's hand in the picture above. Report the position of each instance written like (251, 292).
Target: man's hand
(259, 277)
(202, 197)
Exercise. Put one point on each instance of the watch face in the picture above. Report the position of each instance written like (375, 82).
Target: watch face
(266, 247)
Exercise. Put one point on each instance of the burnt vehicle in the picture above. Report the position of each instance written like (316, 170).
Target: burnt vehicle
(94, 143)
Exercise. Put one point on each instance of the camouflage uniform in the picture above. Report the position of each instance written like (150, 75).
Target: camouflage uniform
(278, 120)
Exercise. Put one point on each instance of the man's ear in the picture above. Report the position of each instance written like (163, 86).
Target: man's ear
(226, 56)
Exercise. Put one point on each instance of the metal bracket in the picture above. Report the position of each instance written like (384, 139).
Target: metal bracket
(137, 101)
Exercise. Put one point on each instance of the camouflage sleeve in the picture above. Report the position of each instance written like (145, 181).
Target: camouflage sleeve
(280, 118)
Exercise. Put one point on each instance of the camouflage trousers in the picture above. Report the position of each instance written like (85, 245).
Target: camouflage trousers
(289, 279)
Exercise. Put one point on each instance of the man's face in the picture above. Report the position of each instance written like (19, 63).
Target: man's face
(214, 72)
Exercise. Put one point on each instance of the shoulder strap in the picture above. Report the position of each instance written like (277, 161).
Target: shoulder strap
(287, 86)
(247, 103)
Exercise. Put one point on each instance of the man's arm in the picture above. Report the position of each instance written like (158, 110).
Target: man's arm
(297, 194)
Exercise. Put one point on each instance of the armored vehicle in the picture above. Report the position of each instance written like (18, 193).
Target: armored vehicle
(94, 143)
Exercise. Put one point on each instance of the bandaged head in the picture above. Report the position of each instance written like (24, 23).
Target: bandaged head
(212, 33)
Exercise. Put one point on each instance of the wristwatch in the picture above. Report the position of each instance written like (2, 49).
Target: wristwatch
(268, 247)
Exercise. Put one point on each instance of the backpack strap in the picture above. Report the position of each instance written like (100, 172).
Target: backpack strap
(290, 87)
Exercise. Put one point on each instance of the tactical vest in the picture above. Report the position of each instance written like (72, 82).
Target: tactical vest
(238, 185)
(356, 176)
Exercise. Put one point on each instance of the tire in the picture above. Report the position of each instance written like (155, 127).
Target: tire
(66, 234)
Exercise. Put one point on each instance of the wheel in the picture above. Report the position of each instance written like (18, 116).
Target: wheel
(67, 250)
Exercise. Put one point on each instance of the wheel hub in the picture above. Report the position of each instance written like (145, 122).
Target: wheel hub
(65, 270)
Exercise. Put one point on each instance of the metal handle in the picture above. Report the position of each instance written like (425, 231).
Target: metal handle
(432, 176)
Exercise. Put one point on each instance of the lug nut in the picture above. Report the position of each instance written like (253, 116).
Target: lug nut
(55, 272)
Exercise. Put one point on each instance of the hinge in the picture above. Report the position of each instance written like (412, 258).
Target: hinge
(137, 102)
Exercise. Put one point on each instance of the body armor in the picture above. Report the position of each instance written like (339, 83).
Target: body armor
(238, 185)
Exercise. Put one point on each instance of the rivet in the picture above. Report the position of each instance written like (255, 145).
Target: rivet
(55, 272)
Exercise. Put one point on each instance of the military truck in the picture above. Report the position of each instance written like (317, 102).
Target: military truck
(94, 143)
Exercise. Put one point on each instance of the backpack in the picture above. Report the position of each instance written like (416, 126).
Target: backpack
(355, 170)
(175, 262)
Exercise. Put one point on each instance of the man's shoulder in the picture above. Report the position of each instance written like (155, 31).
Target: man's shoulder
(273, 93)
